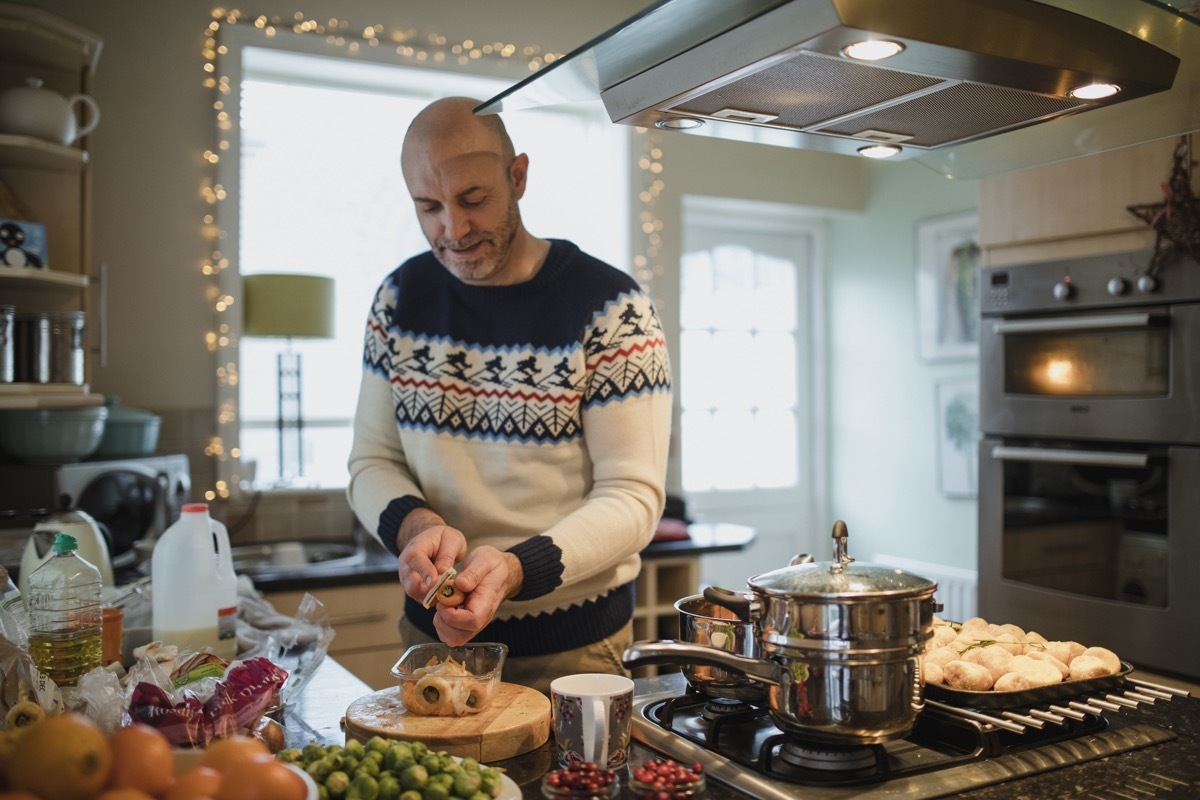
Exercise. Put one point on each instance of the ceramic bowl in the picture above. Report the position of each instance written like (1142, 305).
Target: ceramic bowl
(52, 435)
(438, 680)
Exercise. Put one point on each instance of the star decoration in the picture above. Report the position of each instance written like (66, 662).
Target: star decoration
(1176, 220)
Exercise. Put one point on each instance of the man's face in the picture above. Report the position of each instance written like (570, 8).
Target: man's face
(467, 207)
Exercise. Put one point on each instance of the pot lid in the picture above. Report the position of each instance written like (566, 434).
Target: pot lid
(841, 578)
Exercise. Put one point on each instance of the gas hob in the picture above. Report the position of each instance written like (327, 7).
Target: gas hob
(950, 751)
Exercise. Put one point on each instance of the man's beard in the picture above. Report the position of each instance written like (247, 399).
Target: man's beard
(490, 260)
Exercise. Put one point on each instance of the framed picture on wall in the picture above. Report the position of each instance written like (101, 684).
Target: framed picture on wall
(958, 435)
(948, 261)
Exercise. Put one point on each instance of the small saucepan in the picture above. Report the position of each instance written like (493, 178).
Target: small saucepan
(705, 623)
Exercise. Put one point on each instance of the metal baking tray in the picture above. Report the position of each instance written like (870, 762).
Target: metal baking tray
(1025, 698)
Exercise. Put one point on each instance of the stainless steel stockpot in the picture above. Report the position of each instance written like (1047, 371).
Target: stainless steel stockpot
(838, 646)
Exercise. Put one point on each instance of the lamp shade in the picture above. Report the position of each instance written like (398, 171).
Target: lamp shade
(279, 304)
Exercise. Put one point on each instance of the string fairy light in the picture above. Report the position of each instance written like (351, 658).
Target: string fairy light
(339, 34)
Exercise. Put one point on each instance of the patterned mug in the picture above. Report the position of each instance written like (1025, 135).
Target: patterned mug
(592, 719)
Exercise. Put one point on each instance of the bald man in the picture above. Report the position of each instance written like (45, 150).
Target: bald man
(513, 417)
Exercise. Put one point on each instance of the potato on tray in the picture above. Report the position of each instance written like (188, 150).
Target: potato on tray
(437, 680)
(979, 656)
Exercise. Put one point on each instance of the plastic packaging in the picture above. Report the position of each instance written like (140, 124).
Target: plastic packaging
(64, 614)
(187, 592)
(227, 595)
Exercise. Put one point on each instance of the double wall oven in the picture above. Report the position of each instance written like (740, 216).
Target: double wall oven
(1089, 493)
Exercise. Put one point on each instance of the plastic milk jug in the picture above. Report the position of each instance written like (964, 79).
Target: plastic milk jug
(187, 592)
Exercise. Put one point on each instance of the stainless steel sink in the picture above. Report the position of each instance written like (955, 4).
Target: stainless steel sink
(297, 556)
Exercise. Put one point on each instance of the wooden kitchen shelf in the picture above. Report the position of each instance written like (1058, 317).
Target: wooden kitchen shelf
(41, 278)
(47, 395)
(28, 152)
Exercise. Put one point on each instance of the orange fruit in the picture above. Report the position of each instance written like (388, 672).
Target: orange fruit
(142, 759)
(65, 756)
(124, 793)
(196, 783)
(222, 754)
(261, 780)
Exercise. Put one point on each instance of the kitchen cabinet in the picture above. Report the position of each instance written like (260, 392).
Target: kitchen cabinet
(50, 181)
(1075, 208)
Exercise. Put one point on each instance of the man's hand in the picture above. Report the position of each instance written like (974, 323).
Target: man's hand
(488, 577)
(430, 547)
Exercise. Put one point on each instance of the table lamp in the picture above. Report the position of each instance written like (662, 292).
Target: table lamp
(288, 306)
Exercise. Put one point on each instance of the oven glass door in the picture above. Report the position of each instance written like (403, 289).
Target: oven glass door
(1123, 375)
(1114, 355)
(1089, 522)
(1093, 542)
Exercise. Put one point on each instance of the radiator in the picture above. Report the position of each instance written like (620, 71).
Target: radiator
(957, 588)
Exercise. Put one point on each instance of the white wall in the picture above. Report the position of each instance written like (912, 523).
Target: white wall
(884, 464)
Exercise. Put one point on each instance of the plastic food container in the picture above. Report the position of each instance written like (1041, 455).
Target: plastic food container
(438, 680)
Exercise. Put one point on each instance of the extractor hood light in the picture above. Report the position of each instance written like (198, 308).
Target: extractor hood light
(678, 123)
(879, 150)
(1095, 91)
(872, 50)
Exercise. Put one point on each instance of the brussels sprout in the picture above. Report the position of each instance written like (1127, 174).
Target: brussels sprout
(368, 766)
(435, 791)
(319, 770)
(338, 783)
(313, 752)
(467, 783)
(389, 787)
(411, 794)
(414, 777)
(378, 744)
(356, 748)
(363, 787)
(398, 758)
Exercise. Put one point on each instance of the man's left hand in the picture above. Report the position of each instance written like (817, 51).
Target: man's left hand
(488, 577)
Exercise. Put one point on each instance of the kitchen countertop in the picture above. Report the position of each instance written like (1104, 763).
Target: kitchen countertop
(1171, 769)
(379, 566)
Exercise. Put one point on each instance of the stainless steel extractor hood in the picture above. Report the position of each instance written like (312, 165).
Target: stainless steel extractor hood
(978, 87)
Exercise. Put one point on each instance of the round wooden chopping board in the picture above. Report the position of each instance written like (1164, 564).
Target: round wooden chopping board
(515, 722)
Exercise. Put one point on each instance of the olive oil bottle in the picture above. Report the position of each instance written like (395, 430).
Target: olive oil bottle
(64, 614)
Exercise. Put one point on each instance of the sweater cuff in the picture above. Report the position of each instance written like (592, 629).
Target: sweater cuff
(392, 516)
(541, 561)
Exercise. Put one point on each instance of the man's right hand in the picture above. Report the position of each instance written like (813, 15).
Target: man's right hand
(429, 547)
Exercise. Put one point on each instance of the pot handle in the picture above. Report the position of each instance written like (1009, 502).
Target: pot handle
(670, 651)
(743, 605)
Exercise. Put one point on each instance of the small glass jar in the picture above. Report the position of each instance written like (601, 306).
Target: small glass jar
(581, 782)
(666, 780)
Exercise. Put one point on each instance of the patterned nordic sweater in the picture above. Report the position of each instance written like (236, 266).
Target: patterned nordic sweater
(534, 418)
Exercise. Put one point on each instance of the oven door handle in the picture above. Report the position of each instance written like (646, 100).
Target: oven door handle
(1082, 323)
(1090, 457)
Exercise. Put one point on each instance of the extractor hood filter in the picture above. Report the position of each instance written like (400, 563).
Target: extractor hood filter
(967, 69)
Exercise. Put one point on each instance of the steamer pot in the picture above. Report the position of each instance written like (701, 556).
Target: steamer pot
(838, 646)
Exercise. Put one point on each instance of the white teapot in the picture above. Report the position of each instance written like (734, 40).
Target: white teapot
(30, 110)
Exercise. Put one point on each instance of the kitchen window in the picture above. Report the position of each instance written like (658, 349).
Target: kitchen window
(318, 190)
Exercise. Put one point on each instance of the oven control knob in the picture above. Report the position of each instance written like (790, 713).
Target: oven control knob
(1147, 284)
(1063, 290)
(1117, 286)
